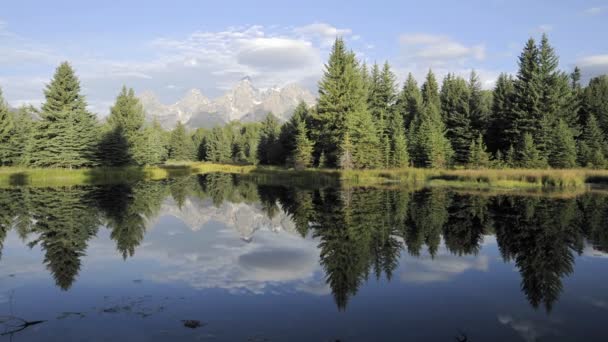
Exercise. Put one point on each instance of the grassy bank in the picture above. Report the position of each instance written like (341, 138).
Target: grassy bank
(472, 179)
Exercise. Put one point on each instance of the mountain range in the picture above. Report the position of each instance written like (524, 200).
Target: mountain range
(244, 102)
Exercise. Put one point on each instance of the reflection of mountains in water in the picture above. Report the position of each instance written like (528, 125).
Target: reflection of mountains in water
(360, 231)
(246, 219)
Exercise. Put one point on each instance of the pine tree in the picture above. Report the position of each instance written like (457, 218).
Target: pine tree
(502, 106)
(527, 111)
(66, 135)
(330, 116)
(21, 141)
(455, 100)
(126, 125)
(576, 100)
(529, 156)
(478, 156)
(289, 131)
(270, 151)
(592, 145)
(217, 146)
(595, 101)
(409, 101)
(430, 146)
(399, 149)
(477, 109)
(181, 146)
(113, 149)
(511, 157)
(342, 112)
(301, 156)
(154, 143)
(7, 134)
(562, 151)
(430, 91)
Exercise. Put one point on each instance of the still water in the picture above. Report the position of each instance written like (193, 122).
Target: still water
(249, 261)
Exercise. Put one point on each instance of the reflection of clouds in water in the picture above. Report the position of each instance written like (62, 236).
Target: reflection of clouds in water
(589, 251)
(215, 256)
(443, 267)
(529, 330)
(597, 302)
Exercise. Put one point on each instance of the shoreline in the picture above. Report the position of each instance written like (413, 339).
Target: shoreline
(520, 179)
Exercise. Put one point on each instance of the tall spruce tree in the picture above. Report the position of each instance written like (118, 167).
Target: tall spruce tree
(526, 113)
(342, 113)
(478, 112)
(430, 91)
(66, 135)
(502, 105)
(409, 101)
(399, 147)
(455, 104)
(430, 146)
(123, 142)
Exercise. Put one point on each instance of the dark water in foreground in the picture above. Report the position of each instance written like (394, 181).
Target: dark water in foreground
(256, 262)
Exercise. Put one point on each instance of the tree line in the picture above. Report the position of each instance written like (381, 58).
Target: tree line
(541, 117)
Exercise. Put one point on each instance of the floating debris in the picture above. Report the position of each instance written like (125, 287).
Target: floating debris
(192, 323)
(69, 314)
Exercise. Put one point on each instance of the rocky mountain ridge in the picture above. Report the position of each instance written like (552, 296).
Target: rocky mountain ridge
(244, 102)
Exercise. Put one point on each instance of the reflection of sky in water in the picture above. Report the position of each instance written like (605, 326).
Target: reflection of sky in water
(250, 277)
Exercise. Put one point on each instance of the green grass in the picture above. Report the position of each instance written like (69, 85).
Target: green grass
(473, 179)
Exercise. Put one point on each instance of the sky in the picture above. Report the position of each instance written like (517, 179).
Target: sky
(169, 47)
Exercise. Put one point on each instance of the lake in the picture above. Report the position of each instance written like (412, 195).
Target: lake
(221, 257)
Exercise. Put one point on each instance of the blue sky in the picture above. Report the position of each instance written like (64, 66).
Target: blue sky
(171, 46)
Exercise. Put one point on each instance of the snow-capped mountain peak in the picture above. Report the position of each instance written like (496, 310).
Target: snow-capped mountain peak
(243, 102)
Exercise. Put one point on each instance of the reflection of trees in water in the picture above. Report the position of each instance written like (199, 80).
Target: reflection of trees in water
(361, 231)
(127, 209)
(541, 236)
(64, 221)
(468, 220)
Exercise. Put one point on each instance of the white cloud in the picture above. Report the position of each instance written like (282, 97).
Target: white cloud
(529, 330)
(325, 32)
(438, 48)
(592, 66)
(208, 60)
(441, 53)
(277, 54)
(594, 10)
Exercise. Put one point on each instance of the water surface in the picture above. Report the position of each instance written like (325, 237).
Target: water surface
(254, 261)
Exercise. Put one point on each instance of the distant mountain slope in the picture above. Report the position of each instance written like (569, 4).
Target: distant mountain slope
(244, 102)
